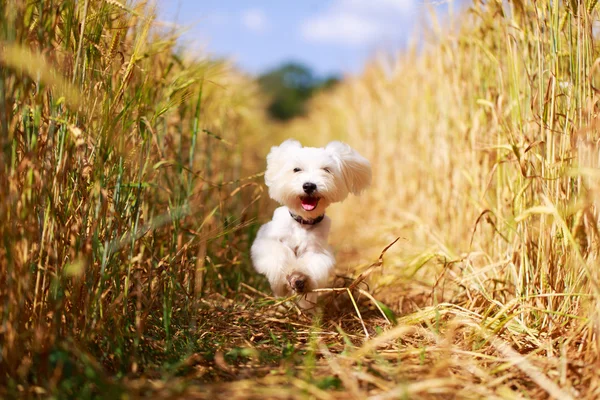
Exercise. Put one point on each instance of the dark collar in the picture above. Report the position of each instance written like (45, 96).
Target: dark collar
(312, 221)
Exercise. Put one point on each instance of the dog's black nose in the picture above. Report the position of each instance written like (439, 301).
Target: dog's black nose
(309, 187)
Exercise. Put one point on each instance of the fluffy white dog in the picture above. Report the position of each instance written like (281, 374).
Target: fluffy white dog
(292, 249)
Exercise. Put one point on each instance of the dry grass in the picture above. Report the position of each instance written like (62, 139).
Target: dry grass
(485, 152)
(124, 194)
(130, 197)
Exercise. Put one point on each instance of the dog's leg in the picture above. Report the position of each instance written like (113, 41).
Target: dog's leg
(273, 259)
(317, 266)
(310, 271)
(298, 281)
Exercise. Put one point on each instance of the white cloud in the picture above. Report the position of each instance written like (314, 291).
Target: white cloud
(255, 20)
(343, 28)
(358, 22)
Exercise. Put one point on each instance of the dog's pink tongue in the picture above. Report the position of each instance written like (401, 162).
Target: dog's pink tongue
(309, 203)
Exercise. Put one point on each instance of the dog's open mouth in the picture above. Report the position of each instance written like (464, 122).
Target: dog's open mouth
(309, 203)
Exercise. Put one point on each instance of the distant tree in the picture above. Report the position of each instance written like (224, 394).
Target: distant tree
(289, 87)
(329, 82)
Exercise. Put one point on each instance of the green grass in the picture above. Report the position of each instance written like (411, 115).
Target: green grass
(131, 190)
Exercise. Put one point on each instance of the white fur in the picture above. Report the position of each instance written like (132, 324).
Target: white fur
(284, 246)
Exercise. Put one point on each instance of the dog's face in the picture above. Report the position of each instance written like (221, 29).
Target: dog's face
(307, 179)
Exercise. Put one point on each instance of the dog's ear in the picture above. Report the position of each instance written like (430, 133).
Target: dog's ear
(355, 168)
(277, 157)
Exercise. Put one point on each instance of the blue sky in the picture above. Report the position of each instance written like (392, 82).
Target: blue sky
(330, 36)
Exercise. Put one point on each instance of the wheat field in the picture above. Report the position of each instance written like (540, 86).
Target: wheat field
(131, 187)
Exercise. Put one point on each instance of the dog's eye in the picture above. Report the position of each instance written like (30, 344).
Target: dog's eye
(327, 170)
(297, 169)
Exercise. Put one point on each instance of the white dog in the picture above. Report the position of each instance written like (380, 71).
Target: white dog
(292, 249)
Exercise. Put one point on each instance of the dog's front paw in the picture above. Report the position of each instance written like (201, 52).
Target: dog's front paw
(298, 282)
